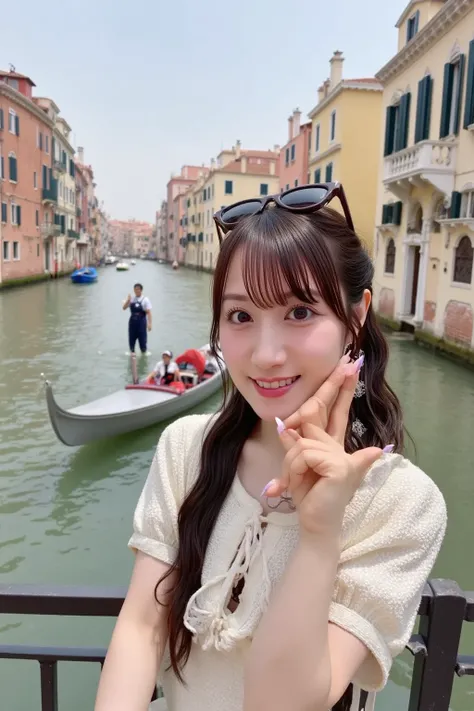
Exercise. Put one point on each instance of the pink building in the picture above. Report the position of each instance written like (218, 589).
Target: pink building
(28, 191)
(178, 185)
(294, 155)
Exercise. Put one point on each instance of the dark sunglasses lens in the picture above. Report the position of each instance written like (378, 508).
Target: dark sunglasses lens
(236, 212)
(306, 196)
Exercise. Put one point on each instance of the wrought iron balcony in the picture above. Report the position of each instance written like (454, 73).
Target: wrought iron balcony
(50, 194)
(426, 162)
(72, 234)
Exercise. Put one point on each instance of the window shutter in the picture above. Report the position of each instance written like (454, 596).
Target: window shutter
(17, 125)
(13, 168)
(469, 107)
(457, 114)
(397, 213)
(40, 141)
(446, 101)
(427, 107)
(401, 139)
(18, 214)
(329, 173)
(4, 211)
(419, 110)
(384, 214)
(2, 167)
(44, 177)
(417, 22)
(455, 209)
(317, 175)
(389, 129)
(1, 120)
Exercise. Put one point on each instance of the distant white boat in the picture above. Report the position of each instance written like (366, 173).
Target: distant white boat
(175, 264)
(122, 267)
(133, 262)
(110, 259)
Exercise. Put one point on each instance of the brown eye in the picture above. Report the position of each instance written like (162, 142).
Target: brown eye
(301, 313)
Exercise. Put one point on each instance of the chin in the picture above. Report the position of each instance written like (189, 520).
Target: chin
(267, 408)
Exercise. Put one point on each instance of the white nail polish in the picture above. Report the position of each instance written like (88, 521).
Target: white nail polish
(280, 426)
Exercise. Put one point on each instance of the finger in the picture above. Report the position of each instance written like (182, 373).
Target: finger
(317, 407)
(317, 434)
(288, 439)
(277, 486)
(339, 416)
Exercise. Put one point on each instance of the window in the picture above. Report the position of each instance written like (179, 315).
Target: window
(329, 173)
(293, 152)
(37, 218)
(13, 168)
(296, 182)
(1, 120)
(13, 123)
(317, 133)
(317, 175)
(2, 167)
(390, 253)
(467, 205)
(228, 187)
(6, 251)
(4, 212)
(46, 144)
(263, 189)
(463, 257)
(423, 109)
(15, 214)
(392, 213)
(35, 180)
(40, 141)
(397, 123)
(332, 127)
(16, 250)
(469, 105)
(452, 97)
(413, 25)
(287, 156)
(287, 186)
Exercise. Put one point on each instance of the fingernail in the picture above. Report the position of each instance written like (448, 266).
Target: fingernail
(359, 363)
(265, 488)
(389, 448)
(280, 425)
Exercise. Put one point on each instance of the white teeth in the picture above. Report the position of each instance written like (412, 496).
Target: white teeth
(275, 384)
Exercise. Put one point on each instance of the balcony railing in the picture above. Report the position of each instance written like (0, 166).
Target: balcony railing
(48, 229)
(432, 161)
(59, 166)
(50, 194)
(72, 234)
(435, 646)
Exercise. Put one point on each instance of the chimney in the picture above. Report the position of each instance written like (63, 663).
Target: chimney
(320, 93)
(326, 86)
(213, 163)
(243, 166)
(80, 155)
(296, 122)
(276, 148)
(290, 128)
(272, 167)
(336, 63)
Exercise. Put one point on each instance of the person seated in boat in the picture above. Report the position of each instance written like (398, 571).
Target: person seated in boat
(166, 371)
(140, 318)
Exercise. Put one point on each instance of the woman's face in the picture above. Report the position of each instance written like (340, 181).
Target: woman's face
(277, 357)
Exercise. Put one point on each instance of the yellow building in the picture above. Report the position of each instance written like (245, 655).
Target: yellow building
(236, 175)
(424, 232)
(345, 143)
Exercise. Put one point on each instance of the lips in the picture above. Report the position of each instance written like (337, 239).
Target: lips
(274, 388)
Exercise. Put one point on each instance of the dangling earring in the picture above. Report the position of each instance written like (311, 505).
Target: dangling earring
(358, 427)
(360, 390)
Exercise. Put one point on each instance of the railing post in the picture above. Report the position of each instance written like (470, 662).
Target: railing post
(49, 686)
(433, 674)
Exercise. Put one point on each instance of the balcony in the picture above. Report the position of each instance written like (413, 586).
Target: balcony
(49, 230)
(78, 212)
(83, 238)
(59, 166)
(431, 162)
(50, 194)
(72, 234)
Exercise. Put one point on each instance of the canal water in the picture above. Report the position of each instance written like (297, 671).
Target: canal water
(65, 513)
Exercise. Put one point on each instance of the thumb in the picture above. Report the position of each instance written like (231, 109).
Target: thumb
(365, 458)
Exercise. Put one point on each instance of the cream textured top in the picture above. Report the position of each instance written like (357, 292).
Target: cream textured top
(392, 531)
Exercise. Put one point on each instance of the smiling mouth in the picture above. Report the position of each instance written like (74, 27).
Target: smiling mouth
(275, 384)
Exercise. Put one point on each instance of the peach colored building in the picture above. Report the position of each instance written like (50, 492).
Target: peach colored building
(25, 179)
(177, 185)
(295, 153)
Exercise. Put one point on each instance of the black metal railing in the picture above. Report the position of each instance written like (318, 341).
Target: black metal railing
(443, 611)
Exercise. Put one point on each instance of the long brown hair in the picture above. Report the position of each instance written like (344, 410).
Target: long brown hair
(281, 252)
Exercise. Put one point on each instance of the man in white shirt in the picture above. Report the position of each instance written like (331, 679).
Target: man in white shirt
(166, 370)
(140, 318)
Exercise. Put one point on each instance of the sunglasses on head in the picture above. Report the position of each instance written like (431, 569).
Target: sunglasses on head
(304, 199)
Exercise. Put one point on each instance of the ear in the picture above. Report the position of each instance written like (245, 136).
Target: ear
(363, 306)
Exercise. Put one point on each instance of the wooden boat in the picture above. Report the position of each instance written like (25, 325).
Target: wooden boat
(137, 405)
(84, 275)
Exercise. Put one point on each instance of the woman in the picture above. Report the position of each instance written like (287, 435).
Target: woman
(300, 597)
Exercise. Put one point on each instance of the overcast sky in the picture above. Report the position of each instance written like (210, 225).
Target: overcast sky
(150, 85)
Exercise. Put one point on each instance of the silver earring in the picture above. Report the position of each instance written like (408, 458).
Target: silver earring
(358, 427)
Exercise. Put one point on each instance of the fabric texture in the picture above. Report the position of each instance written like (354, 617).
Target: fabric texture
(392, 531)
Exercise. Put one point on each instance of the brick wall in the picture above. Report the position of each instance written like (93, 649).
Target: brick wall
(387, 303)
(458, 322)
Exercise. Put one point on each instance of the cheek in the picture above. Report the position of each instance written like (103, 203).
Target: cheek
(324, 343)
(233, 344)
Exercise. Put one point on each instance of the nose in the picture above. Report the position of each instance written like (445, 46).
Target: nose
(269, 351)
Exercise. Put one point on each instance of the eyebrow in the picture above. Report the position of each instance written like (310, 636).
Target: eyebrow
(245, 297)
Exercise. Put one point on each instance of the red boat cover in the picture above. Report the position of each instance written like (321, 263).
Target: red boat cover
(193, 357)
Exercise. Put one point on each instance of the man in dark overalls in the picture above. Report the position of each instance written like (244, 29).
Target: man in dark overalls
(140, 318)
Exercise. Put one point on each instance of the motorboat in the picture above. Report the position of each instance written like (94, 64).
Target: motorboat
(175, 264)
(122, 267)
(139, 404)
(84, 275)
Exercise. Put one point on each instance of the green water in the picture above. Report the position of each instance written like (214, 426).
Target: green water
(65, 513)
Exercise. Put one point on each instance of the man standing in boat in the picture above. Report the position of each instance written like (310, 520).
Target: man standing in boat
(140, 318)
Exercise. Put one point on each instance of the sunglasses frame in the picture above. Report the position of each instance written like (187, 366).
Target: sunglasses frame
(333, 190)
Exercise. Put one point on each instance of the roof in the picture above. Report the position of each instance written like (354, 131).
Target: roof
(362, 84)
(235, 166)
(16, 75)
(407, 11)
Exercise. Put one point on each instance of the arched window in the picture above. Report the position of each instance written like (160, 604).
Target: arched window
(463, 256)
(390, 257)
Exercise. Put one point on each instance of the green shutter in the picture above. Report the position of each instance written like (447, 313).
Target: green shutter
(384, 214)
(457, 114)
(420, 102)
(397, 213)
(329, 173)
(317, 175)
(4, 211)
(18, 214)
(403, 125)
(423, 109)
(13, 169)
(389, 129)
(455, 209)
(17, 125)
(427, 107)
(1, 120)
(447, 98)
(469, 107)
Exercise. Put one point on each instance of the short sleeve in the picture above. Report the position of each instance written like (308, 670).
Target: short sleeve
(147, 304)
(385, 566)
(155, 529)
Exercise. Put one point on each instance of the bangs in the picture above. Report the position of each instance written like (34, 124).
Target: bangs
(283, 257)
